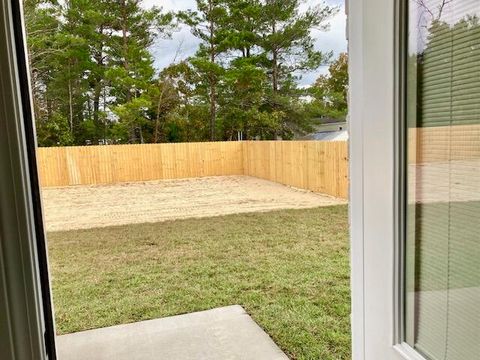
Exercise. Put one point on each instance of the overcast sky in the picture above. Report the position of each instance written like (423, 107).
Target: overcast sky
(166, 51)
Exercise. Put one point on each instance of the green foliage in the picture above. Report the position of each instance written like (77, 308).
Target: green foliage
(243, 95)
(54, 132)
(90, 59)
(289, 50)
(331, 91)
(134, 113)
(92, 67)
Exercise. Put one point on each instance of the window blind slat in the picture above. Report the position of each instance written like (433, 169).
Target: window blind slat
(443, 243)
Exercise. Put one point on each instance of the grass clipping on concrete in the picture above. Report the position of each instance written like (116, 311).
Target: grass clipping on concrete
(289, 269)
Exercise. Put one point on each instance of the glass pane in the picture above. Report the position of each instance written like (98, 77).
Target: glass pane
(443, 212)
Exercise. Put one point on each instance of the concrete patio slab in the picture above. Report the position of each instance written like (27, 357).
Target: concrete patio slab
(219, 334)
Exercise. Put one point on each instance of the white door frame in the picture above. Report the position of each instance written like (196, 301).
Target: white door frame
(26, 324)
(375, 29)
(374, 90)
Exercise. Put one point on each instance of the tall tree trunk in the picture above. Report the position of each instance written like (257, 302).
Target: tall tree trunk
(49, 107)
(126, 64)
(104, 111)
(97, 93)
(97, 87)
(275, 76)
(70, 105)
(213, 82)
(141, 135)
(213, 110)
(275, 72)
(158, 131)
(36, 96)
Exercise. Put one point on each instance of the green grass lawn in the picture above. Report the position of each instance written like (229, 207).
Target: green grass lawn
(289, 269)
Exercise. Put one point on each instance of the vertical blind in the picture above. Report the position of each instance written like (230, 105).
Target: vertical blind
(443, 212)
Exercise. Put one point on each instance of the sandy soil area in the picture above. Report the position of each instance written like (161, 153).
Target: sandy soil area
(82, 207)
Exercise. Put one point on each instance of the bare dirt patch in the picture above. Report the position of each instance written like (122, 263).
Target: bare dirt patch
(83, 207)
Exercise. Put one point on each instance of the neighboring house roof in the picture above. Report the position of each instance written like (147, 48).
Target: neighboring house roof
(329, 132)
(341, 135)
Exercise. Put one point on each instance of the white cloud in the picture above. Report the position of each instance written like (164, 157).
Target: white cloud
(170, 5)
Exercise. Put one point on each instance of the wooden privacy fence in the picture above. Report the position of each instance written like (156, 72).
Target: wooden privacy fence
(311, 165)
(91, 165)
(319, 166)
(444, 143)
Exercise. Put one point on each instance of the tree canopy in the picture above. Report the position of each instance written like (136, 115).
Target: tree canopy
(331, 91)
(94, 79)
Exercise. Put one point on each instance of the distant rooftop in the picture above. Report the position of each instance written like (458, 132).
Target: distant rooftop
(329, 132)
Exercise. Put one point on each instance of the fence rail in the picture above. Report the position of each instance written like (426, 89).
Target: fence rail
(444, 143)
(311, 165)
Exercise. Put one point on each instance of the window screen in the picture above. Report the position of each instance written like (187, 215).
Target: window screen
(443, 187)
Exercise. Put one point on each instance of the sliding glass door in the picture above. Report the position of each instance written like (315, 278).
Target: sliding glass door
(442, 303)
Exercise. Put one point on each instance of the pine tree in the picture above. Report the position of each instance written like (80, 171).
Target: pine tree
(209, 24)
(245, 20)
(132, 72)
(287, 38)
(44, 48)
(94, 79)
(290, 50)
